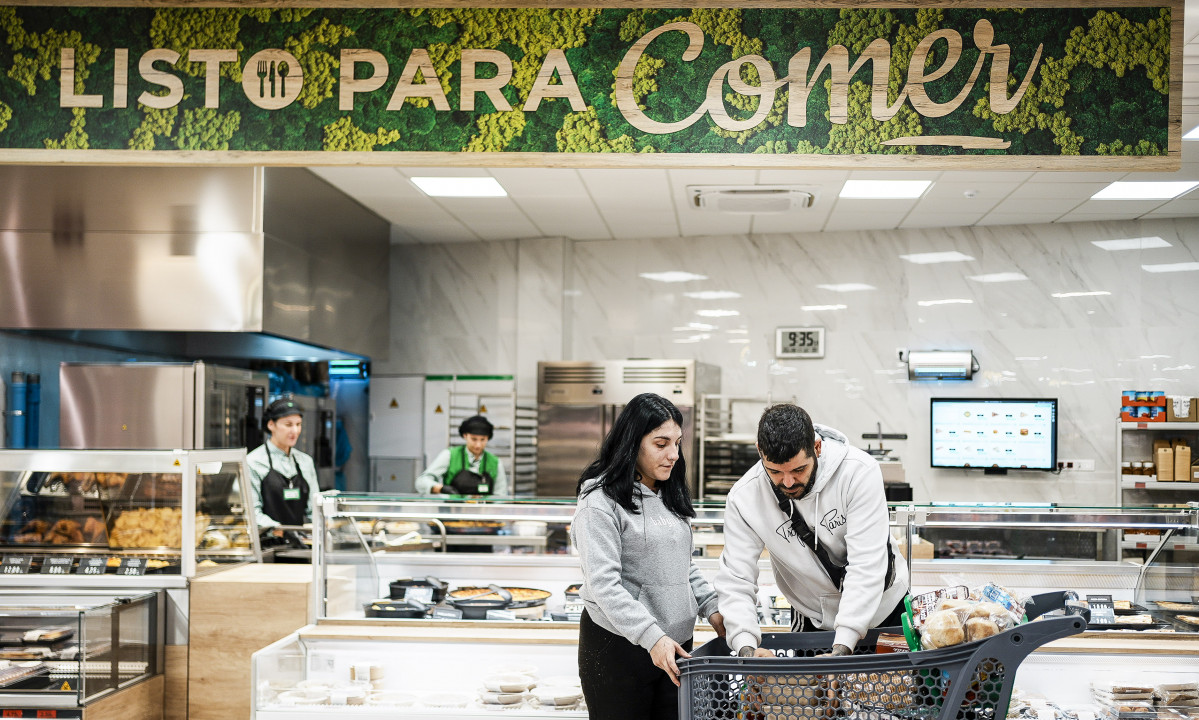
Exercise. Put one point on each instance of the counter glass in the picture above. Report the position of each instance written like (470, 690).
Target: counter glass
(68, 650)
(95, 512)
(369, 547)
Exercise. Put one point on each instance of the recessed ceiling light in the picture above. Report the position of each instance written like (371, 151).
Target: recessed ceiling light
(846, 287)
(736, 341)
(672, 276)
(947, 301)
(1144, 243)
(929, 258)
(459, 186)
(738, 331)
(817, 308)
(1155, 357)
(884, 189)
(999, 277)
(1172, 267)
(1144, 190)
(700, 326)
(713, 295)
(716, 313)
(1085, 293)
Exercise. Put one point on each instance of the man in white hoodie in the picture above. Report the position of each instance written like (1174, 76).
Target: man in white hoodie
(818, 506)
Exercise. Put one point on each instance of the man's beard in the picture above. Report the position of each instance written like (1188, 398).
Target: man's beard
(811, 481)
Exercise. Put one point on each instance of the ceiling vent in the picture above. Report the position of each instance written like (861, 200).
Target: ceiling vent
(750, 198)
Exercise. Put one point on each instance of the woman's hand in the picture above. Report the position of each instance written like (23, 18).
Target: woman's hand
(716, 620)
(663, 653)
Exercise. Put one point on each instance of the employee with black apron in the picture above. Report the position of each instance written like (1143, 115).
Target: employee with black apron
(283, 479)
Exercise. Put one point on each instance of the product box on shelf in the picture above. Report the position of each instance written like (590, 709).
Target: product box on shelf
(1182, 409)
(1182, 463)
(1165, 463)
(1143, 398)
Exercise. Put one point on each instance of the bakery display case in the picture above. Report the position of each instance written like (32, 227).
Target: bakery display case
(101, 512)
(70, 651)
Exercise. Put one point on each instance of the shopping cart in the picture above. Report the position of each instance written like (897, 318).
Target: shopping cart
(972, 681)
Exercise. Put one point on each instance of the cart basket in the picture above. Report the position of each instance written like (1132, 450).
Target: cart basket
(972, 681)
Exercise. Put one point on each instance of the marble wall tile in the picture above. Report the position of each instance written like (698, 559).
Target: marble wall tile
(1081, 350)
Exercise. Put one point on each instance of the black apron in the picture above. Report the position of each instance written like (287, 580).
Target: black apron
(283, 498)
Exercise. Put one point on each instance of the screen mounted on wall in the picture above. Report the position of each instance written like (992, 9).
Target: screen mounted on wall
(994, 433)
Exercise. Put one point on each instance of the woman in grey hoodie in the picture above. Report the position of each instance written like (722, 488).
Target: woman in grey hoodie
(641, 591)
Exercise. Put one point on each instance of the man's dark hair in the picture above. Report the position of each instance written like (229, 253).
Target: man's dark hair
(616, 464)
(783, 431)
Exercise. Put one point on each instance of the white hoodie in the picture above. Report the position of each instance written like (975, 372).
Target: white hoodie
(847, 510)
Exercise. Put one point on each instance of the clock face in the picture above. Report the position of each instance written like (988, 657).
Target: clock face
(799, 342)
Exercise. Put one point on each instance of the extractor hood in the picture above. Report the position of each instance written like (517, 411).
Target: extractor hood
(204, 263)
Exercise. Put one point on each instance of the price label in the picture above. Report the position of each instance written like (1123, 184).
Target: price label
(16, 564)
(447, 613)
(501, 615)
(573, 606)
(1103, 610)
(57, 565)
(420, 594)
(132, 566)
(36, 713)
(92, 566)
(799, 342)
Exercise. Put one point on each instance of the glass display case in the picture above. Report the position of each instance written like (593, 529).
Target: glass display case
(371, 548)
(105, 512)
(70, 650)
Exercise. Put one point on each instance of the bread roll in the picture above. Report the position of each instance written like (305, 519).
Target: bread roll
(987, 609)
(978, 628)
(943, 629)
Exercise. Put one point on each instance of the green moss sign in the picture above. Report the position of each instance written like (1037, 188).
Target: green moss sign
(784, 86)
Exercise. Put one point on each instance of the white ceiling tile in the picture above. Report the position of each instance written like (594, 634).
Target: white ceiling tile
(1124, 208)
(803, 177)
(1032, 205)
(681, 178)
(360, 181)
(443, 172)
(554, 218)
(874, 220)
(491, 218)
(641, 187)
(996, 176)
(807, 220)
(1079, 191)
(1076, 177)
(632, 225)
(541, 182)
(694, 222)
(982, 189)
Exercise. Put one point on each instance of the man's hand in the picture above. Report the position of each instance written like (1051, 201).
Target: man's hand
(763, 652)
(663, 653)
(716, 620)
(838, 651)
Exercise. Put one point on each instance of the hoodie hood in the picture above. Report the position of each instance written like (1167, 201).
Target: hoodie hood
(834, 446)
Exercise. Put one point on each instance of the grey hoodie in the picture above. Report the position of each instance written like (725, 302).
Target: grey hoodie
(638, 577)
(847, 510)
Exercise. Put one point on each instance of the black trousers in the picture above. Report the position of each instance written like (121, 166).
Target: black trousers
(801, 623)
(620, 681)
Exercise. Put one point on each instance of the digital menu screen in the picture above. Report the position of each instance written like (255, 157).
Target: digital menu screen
(994, 433)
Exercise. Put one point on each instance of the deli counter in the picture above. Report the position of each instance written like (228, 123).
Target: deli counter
(397, 601)
(92, 532)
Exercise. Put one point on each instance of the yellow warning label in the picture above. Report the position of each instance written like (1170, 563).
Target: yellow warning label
(438, 410)
(66, 686)
(482, 409)
(394, 404)
(177, 463)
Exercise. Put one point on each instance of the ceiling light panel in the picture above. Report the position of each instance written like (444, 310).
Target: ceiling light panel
(819, 308)
(946, 301)
(713, 295)
(1080, 293)
(474, 187)
(1144, 190)
(884, 189)
(717, 313)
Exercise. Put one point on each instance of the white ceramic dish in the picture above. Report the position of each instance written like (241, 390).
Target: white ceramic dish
(508, 682)
(561, 695)
(496, 698)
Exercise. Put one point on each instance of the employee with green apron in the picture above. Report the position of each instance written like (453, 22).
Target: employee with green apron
(282, 478)
(466, 469)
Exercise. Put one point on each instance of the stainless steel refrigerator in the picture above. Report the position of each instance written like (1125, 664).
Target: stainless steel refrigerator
(187, 406)
(579, 401)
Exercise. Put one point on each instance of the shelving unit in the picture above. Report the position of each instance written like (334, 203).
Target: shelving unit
(726, 441)
(1134, 441)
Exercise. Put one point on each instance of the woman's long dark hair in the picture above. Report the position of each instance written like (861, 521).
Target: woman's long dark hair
(616, 464)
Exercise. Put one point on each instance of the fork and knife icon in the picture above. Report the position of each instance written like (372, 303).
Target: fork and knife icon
(268, 69)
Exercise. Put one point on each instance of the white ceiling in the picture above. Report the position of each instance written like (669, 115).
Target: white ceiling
(601, 204)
